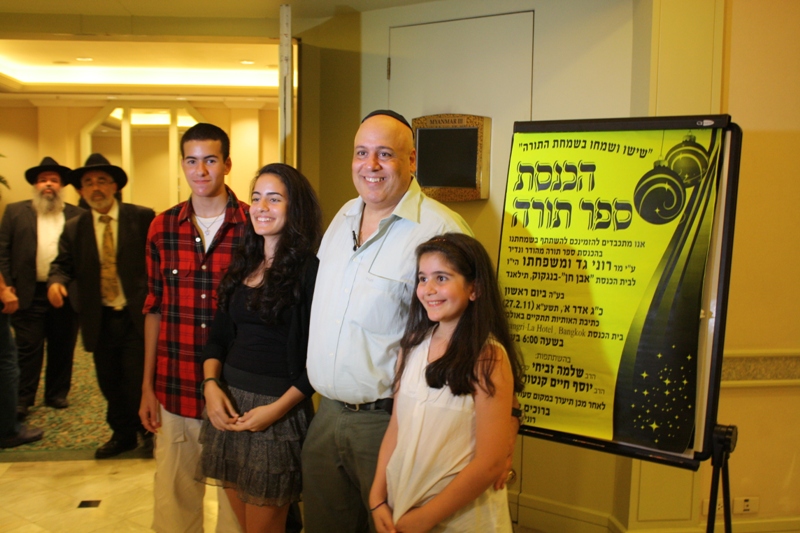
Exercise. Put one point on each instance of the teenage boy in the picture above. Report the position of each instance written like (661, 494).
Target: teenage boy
(189, 247)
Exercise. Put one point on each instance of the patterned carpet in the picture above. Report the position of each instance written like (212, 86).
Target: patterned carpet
(72, 433)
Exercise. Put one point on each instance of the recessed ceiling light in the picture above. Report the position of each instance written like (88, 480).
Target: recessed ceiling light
(84, 59)
(247, 62)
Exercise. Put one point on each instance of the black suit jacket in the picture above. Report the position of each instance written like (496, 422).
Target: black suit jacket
(18, 243)
(77, 267)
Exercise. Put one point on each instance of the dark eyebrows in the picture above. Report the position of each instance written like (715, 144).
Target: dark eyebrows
(204, 158)
(435, 273)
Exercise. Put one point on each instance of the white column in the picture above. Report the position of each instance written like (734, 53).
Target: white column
(285, 88)
(126, 140)
(245, 149)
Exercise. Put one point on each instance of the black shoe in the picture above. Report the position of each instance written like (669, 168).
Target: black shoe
(24, 436)
(22, 412)
(57, 403)
(115, 447)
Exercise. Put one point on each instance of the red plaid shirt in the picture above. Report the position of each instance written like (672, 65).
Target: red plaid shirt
(182, 288)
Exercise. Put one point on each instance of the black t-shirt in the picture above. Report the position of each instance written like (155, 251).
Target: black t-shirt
(259, 348)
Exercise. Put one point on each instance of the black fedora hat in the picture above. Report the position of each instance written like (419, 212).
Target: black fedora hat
(47, 164)
(98, 162)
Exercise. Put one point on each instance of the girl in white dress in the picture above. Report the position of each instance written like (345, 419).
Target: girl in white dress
(448, 438)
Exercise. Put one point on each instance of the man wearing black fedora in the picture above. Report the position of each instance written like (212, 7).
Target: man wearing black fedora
(29, 236)
(101, 268)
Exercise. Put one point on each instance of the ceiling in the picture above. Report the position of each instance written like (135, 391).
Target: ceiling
(198, 8)
(46, 49)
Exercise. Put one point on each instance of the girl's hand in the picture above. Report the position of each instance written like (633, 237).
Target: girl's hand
(382, 516)
(258, 419)
(219, 408)
(414, 521)
(515, 424)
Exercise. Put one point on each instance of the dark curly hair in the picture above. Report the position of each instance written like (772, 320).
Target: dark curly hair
(462, 367)
(281, 284)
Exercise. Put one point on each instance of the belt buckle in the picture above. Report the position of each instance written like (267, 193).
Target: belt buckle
(352, 407)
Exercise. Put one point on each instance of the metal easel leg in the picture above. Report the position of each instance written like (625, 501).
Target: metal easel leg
(724, 442)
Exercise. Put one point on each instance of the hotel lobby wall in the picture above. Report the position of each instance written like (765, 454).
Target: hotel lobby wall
(19, 145)
(330, 107)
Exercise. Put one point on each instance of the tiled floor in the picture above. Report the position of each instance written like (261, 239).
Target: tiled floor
(45, 496)
(38, 497)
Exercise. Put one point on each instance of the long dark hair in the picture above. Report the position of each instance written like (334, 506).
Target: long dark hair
(282, 281)
(461, 367)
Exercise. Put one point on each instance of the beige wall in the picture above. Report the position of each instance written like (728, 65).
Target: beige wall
(760, 91)
(150, 164)
(27, 134)
(765, 461)
(763, 96)
(330, 107)
(19, 132)
(268, 125)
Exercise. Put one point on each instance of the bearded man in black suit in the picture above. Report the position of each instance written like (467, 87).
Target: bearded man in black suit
(101, 267)
(29, 237)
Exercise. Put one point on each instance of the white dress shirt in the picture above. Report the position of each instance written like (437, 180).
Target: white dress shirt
(361, 298)
(48, 231)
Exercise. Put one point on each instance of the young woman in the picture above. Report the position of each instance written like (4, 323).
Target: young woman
(447, 440)
(256, 389)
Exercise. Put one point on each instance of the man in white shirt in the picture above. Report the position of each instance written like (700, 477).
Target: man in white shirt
(366, 280)
(28, 243)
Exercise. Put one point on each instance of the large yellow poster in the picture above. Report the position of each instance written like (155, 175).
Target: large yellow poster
(602, 256)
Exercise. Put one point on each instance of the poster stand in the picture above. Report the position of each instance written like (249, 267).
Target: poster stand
(614, 263)
(723, 444)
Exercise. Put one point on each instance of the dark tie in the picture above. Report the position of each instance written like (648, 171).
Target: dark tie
(109, 284)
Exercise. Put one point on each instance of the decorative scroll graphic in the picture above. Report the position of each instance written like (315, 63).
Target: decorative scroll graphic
(656, 384)
(602, 258)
